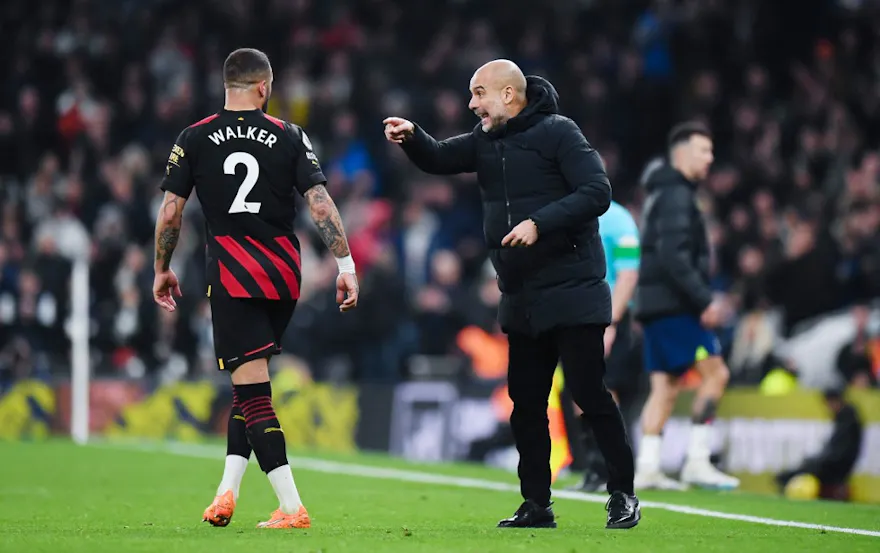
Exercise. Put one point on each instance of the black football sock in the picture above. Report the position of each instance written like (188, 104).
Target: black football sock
(263, 427)
(236, 432)
(706, 414)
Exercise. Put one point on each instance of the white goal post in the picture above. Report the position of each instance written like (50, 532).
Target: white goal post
(80, 367)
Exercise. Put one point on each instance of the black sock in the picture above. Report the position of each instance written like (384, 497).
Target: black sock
(265, 432)
(707, 414)
(237, 442)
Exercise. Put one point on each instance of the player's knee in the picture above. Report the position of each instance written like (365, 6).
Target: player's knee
(716, 373)
(252, 372)
(662, 389)
(722, 375)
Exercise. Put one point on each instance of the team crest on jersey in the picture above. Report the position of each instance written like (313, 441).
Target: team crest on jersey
(306, 141)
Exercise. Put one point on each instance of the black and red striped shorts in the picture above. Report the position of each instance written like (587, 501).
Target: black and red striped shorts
(248, 328)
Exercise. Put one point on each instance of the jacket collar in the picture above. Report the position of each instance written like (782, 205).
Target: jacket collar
(542, 101)
(667, 175)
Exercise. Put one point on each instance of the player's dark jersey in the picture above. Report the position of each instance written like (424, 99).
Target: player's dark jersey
(246, 168)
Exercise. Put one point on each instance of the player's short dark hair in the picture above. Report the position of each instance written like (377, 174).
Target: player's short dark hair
(246, 66)
(684, 131)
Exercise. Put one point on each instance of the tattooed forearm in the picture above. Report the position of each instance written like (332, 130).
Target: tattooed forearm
(165, 244)
(168, 225)
(327, 220)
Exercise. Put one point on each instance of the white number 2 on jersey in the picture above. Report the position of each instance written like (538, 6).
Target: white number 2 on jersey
(239, 205)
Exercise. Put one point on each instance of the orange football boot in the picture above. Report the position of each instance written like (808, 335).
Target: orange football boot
(280, 519)
(220, 511)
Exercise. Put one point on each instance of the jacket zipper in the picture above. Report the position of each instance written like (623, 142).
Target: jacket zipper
(504, 182)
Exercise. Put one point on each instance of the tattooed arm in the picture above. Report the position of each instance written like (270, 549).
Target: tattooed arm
(168, 223)
(328, 221)
(329, 225)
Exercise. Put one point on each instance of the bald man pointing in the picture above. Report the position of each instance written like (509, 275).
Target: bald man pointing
(543, 189)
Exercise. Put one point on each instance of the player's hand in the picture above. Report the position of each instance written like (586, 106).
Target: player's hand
(523, 235)
(398, 130)
(610, 336)
(165, 287)
(712, 316)
(347, 291)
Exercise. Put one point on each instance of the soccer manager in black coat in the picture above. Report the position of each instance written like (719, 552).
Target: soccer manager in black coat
(543, 189)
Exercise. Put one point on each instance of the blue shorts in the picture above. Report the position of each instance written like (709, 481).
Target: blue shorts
(674, 344)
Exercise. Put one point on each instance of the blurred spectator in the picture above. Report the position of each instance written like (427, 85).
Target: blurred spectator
(854, 362)
(834, 463)
(439, 304)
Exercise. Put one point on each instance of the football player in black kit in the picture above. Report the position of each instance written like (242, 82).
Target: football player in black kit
(247, 169)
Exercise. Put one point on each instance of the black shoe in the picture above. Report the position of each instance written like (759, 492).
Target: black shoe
(591, 483)
(623, 511)
(530, 515)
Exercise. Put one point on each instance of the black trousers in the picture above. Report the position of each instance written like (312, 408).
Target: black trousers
(532, 362)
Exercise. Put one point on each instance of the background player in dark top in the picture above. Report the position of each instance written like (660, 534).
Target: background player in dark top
(675, 305)
(247, 169)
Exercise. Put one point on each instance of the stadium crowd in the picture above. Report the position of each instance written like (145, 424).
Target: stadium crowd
(95, 91)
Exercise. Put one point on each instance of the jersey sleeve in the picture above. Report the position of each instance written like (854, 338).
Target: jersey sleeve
(626, 245)
(178, 177)
(308, 168)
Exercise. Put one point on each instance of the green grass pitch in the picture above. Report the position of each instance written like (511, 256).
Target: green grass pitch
(59, 497)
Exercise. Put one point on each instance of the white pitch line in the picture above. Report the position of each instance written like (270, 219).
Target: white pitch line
(366, 471)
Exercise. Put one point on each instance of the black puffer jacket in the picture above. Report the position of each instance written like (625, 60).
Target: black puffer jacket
(674, 268)
(538, 166)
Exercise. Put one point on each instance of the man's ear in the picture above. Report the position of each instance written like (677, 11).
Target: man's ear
(509, 94)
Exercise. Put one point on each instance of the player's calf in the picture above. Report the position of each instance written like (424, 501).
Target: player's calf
(658, 407)
(267, 439)
(664, 392)
(698, 469)
(714, 376)
(238, 452)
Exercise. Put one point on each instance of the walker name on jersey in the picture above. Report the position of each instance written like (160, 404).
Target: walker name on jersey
(249, 133)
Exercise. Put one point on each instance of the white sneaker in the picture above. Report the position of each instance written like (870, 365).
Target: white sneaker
(656, 481)
(705, 475)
